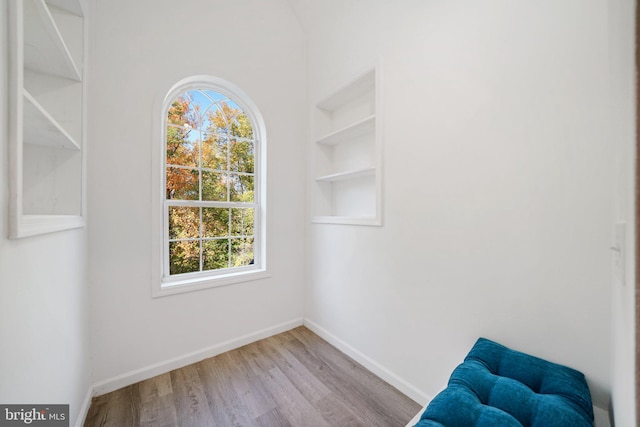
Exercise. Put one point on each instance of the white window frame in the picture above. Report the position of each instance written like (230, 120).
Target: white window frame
(163, 283)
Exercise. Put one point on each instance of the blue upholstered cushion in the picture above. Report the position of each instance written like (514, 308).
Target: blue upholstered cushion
(500, 387)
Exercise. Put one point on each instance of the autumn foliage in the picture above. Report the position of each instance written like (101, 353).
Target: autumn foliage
(210, 158)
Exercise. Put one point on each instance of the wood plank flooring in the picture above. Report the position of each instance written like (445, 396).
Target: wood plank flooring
(291, 379)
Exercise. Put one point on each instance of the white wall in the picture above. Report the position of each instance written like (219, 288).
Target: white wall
(140, 49)
(497, 184)
(44, 356)
(622, 81)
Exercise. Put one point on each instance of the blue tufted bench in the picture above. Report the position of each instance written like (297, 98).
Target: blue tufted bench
(499, 387)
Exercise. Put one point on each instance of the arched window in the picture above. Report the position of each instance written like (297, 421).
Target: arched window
(213, 207)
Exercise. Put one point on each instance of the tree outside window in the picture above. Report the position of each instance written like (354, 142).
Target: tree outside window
(210, 203)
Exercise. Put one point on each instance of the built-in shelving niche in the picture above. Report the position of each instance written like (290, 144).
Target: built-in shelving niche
(46, 127)
(346, 150)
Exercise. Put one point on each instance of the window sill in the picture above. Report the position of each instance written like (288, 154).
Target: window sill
(196, 284)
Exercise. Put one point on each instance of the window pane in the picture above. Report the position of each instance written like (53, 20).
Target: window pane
(182, 184)
(198, 105)
(242, 126)
(241, 252)
(182, 146)
(182, 112)
(214, 151)
(215, 222)
(184, 257)
(184, 222)
(241, 156)
(215, 254)
(214, 186)
(242, 222)
(241, 188)
(221, 116)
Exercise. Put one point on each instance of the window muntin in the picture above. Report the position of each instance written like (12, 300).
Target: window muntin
(211, 206)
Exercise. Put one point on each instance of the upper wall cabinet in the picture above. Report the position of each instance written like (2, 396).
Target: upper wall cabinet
(46, 115)
(346, 154)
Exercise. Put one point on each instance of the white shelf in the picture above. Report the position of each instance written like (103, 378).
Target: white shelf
(71, 6)
(350, 91)
(348, 144)
(42, 129)
(46, 128)
(348, 220)
(343, 176)
(45, 50)
(32, 225)
(350, 132)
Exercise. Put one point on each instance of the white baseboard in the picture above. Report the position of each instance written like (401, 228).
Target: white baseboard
(601, 417)
(84, 409)
(132, 377)
(384, 373)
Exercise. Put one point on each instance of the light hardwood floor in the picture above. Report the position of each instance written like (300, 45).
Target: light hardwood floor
(291, 379)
